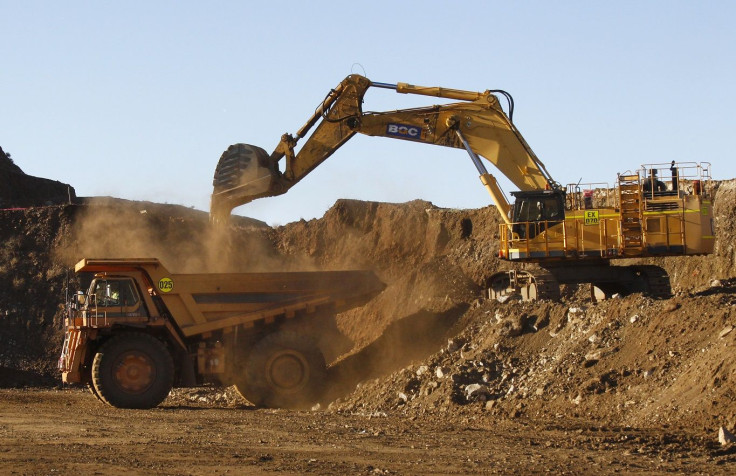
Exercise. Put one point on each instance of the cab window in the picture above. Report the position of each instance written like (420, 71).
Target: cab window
(115, 293)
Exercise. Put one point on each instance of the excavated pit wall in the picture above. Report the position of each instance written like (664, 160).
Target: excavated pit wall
(433, 261)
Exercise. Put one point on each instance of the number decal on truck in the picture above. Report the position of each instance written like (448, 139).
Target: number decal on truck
(166, 285)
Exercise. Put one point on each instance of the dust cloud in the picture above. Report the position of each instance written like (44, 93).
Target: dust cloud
(183, 240)
(399, 242)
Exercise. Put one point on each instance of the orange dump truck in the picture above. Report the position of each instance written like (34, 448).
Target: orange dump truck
(141, 330)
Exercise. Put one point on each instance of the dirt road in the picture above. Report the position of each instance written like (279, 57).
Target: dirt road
(69, 432)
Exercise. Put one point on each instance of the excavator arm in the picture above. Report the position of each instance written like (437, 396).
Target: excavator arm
(476, 123)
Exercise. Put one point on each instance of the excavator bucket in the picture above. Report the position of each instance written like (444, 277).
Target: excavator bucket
(244, 173)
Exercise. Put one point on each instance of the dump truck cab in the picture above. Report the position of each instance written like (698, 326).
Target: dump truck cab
(117, 292)
(115, 296)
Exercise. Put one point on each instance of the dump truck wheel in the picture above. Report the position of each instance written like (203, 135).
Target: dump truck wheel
(133, 370)
(284, 370)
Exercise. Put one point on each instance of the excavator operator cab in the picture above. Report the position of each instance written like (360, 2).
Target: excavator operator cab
(533, 212)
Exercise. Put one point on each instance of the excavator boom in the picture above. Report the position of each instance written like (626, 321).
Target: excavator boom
(477, 124)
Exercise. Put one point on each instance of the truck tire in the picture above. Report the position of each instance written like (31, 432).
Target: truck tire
(283, 370)
(133, 370)
(93, 391)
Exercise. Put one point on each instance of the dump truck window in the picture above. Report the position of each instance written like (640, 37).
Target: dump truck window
(128, 296)
(115, 293)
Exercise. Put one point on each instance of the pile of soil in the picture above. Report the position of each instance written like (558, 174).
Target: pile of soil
(631, 361)
(32, 286)
(428, 344)
(18, 189)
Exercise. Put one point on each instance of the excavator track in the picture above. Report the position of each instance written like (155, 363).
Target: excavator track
(650, 280)
(655, 281)
(525, 285)
(606, 281)
(544, 286)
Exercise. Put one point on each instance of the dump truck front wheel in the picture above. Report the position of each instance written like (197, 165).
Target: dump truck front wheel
(283, 370)
(93, 391)
(133, 370)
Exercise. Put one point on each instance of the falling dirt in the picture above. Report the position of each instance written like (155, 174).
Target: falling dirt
(437, 379)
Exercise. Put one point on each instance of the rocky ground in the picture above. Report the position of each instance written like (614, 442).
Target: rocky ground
(437, 378)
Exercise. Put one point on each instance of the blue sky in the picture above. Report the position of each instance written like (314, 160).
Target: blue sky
(138, 99)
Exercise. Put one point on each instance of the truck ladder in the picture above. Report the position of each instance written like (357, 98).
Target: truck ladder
(630, 200)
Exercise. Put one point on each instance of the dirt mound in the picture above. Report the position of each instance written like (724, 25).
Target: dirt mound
(392, 238)
(32, 284)
(632, 361)
(7, 164)
(20, 190)
(432, 259)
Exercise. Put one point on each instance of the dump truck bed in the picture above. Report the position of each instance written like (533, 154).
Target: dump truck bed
(205, 302)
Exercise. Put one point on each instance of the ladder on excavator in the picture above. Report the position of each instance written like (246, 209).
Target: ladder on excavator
(630, 200)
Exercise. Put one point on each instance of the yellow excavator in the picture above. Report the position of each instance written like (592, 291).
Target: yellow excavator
(572, 232)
